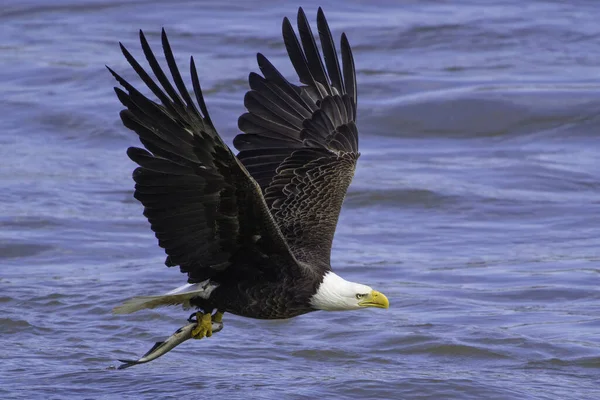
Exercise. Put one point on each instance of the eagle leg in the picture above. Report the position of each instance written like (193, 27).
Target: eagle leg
(192, 318)
(203, 327)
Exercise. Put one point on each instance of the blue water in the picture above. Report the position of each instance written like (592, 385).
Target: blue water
(475, 207)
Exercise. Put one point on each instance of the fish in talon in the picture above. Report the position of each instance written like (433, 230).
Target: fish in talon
(161, 348)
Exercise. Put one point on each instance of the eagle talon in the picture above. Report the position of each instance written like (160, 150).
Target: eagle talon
(192, 318)
(217, 317)
(204, 327)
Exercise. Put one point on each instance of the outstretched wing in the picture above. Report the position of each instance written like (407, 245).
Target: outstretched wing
(207, 212)
(300, 143)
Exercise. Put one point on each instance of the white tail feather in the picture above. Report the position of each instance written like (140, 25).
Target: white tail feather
(182, 295)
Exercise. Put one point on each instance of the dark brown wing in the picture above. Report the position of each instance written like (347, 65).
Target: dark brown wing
(300, 143)
(207, 212)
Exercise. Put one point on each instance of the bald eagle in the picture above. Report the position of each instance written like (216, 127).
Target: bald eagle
(252, 231)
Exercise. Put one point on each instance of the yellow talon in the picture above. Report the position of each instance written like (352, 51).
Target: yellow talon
(204, 327)
(218, 317)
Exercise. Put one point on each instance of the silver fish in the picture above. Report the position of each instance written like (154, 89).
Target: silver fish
(160, 348)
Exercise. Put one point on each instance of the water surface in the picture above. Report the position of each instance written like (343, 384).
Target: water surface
(475, 207)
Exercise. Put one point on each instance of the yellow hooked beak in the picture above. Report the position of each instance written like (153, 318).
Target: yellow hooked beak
(375, 299)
